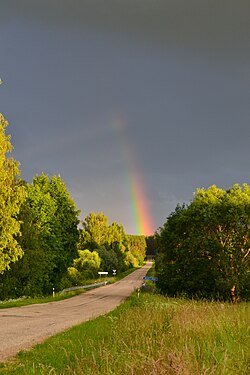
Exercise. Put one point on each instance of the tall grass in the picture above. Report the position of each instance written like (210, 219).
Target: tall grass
(149, 334)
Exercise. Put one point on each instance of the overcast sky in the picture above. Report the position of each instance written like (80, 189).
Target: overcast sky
(87, 82)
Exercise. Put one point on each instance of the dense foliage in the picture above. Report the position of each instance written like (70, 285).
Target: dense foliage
(151, 246)
(12, 194)
(104, 247)
(204, 247)
(49, 239)
(137, 247)
(41, 247)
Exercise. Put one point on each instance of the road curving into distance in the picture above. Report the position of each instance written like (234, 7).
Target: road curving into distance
(23, 327)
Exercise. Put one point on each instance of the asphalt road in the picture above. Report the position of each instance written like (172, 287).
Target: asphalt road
(23, 327)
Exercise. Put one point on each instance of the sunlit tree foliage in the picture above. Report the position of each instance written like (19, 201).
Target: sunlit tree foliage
(137, 247)
(12, 194)
(49, 238)
(204, 247)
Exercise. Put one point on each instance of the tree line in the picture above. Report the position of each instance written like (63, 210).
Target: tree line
(204, 247)
(43, 244)
(202, 250)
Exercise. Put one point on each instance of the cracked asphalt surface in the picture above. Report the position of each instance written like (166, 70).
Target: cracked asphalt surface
(23, 327)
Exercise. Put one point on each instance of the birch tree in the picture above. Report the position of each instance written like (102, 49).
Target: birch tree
(12, 194)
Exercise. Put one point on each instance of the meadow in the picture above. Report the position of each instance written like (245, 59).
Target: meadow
(148, 334)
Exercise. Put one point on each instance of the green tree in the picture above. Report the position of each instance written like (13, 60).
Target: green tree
(95, 230)
(12, 194)
(227, 221)
(109, 259)
(64, 227)
(87, 264)
(49, 238)
(204, 247)
(97, 233)
(137, 246)
(116, 234)
(151, 246)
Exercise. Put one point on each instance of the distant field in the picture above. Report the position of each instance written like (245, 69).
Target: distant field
(149, 334)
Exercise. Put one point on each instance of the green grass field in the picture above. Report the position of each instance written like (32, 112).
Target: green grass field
(149, 334)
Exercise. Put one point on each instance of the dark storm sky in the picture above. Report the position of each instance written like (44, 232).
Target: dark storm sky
(175, 72)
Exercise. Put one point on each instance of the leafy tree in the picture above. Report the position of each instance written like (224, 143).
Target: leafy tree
(87, 264)
(204, 247)
(64, 226)
(116, 234)
(137, 246)
(97, 234)
(87, 259)
(109, 259)
(49, 238)
(95, 230)
(12, 194)
(118, 242)
(151, 246)
(177, 259)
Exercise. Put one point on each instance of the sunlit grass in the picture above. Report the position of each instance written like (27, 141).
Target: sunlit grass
(24, 301)
(148, 335)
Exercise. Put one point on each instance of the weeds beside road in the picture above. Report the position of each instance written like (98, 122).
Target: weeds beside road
(146, 335)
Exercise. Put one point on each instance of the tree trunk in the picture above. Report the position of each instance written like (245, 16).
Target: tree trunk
(232, 293)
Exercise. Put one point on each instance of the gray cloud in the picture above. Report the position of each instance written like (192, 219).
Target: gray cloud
(177, 72)
(207, 25)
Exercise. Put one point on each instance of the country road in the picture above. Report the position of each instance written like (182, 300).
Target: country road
(23, 327)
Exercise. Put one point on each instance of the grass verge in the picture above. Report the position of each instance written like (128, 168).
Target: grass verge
(24, 301)
(148, 335)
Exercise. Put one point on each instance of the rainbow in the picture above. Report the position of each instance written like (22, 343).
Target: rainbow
(142, 218)
(139, 202)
